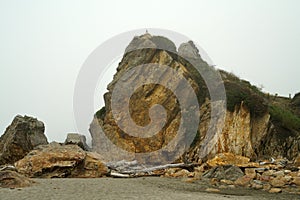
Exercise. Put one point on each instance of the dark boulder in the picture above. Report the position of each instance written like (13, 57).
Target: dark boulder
(227, 172)
(20, 137)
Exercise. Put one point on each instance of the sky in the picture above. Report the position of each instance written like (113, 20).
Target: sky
(43, 44)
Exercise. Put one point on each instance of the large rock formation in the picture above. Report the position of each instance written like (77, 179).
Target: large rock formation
(56, 160)
(20, 137)
(253, 126)
(146, 96)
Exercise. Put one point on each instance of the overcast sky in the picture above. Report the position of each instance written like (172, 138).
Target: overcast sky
(44, 43)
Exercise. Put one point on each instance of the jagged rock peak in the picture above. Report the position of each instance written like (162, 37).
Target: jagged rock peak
(146, 36)
(151, 41)
(189, 50)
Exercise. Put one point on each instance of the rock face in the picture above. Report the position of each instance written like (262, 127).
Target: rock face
(12, 179)
(56, 160)
(80, 140)
(20, 137)
(142, 102)
(240, 134)
(253, 126)
(257, 136)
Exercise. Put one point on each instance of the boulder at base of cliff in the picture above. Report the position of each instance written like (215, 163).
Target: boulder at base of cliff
(56, 160)
(231, 159)
(78, 139)
(92, 167)
(228, 172)
(20, 137)
(12, 179)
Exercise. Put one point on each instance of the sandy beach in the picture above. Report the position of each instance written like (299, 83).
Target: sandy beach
(133, 188)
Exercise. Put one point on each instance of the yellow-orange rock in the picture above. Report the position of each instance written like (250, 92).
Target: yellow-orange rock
(278, 182)
(93, 167)
(250, 172)
(296, 180)
(228, 159)
(275, 190)
(243, 181)
(297, 161)
(55, 160)
(212, 190)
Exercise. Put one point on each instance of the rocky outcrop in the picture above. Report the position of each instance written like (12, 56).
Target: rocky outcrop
(53, 160)
(252, 127)
(12, 179)
(20, 137)
(80, 140)
(142, 104)
(279, 143)
(56, 160)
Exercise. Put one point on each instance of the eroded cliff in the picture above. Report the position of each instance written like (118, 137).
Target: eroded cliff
(252, 126)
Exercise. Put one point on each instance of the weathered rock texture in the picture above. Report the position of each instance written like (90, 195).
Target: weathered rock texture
(92, 167)
(20, 137)
(80, 140)
(145, 97)
(12, 179)
(253, 126)
(228, 172)
(56, 160)
(230, 159)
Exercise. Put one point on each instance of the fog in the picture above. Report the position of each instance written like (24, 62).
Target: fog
(45, 43)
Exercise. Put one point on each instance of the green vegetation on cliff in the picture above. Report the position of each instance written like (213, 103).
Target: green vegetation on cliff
(238, 91)
(281, 109)
(101, 113)
(284, 117)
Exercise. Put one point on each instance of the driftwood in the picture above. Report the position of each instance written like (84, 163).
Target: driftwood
(8, 167)
(128, 169)
(160, 167)
(118, 175)
(121, 164)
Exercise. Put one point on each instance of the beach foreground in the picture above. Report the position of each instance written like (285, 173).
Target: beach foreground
(133, 188)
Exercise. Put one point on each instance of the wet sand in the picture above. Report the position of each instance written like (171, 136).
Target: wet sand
(132, 188)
